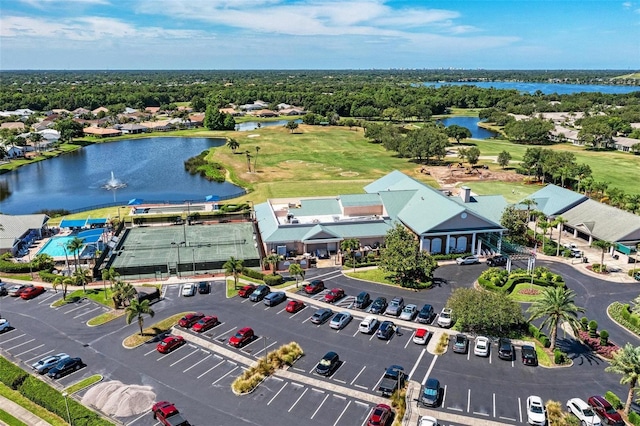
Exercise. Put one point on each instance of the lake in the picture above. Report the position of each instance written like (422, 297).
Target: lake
(546, 88)
(151, 168)
(470, 123)
(253, 125)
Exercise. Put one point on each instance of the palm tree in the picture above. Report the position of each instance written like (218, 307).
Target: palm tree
(351, 246)
(233, 267)
(65, 282)
(255, 159)
(544, 226)
(559, 221)
(57, 281)
(603, 246)
(556, 304)
(111, 275)
(248, 161)
(74, 246)
(296, 271)
(529, 203)
(123, 292)
(82, 277)
(537, 215)
(272, 260)
(626, 362)
(233, 144)
(137, 309)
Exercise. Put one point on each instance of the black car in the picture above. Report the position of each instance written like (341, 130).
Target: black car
(426, 314)
(362, 300)
(378, 306)
(529, 356)
(499, 260)
(259, 293)
(204, 287)
(65, 367)
(328, 364)
(386, 330)
(460, 344)
(321, 315)
(430, 395)
(506, 350)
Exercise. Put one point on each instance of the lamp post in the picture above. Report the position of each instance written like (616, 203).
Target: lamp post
(193, 259)
(66, 403)
(30, 265)
(178, 264)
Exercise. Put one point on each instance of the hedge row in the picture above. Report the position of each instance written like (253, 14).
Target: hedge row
(252, 273)
(14, 267)
(634, 418)
(622, 314)
(539, 335)
(511, 283)
(449, 256)
(46, 396)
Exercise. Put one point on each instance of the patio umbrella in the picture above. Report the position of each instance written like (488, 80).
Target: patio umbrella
(212, 198)
(135, 202)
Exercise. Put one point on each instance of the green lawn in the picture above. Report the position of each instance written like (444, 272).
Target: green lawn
(98, 295)
(515, 294)
(84, 383)
(153, 330)
(376, 275)
(9, 419)
(39, 411)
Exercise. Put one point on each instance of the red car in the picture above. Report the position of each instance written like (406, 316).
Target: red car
(31, 292)
(243, 336)
(246, 290)
(205, 323)
(315, 286)
(380, 415)
(334, 295)
(188, 320)
(606, 412)
(170, 343)
(294, 306)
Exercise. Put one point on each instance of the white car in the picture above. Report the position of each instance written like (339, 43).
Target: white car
(47, 363)
(421, 337)
(368, 325)
(4, 324)
(467, 260)
(409, 312)
(482, 346)
(188, 289)
(583, 412)
(444, 319)
(427, 421)
(536, 412)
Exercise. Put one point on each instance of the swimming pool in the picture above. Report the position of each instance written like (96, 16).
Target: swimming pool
(56, 246)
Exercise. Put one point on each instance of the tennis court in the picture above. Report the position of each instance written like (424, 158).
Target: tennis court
(161, 251)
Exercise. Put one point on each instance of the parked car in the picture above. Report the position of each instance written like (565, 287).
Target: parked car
(430, 395)
(482, 346)
(31, 292)
(499, 260)
(294, 306)
(395, 306)
(15, 290)
(536, 411)
(315, 286)
(340, 320)
(362, 300)
(328, 364)
(467, 260)
(428, 421)
(242, 337)
(368, 324)
(188, 320)
(246, 290)
(204, 287)
(47, 363)
(421, 337)
(505, 349)
(378, 306)
(394, 378)
(409, 312)
(275, 298)
(460, 344)
(445, 319)
(259, 293)
(605, 411)
(426, 314)
(321, 315)
(386, 330)
(380, 415)
(334, 295)
(64, 367)
(4, 324)
(170, 343)
(3, 289)
(188, 289)
(205, 324)
(583, 412)
(167, 414)
(529, 356)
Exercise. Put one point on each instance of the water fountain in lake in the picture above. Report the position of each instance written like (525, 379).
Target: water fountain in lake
(114, 183)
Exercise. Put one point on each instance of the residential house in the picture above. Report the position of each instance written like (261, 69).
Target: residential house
(99, 110)
(264, 113)
(292, 111)
(624, 144)
(13, 125)
(131, 128)
(101, 132)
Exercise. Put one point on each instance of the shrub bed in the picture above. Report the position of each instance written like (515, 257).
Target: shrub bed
(252, 273)
(272, 280)
(450, 256)
(634, 418)
(498, 279)
(594, 344)
(622, 314)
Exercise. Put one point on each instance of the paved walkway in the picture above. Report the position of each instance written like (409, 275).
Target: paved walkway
(20, 413)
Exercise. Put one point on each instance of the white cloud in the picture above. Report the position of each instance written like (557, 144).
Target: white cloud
(44, 4)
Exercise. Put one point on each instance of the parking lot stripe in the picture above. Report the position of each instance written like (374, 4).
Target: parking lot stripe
(217, 365)
(32, 349)
(354, 334)
(47, 298)
(361, 387)
(40, 356)
(319, 406)
(297, 400)
(74, 309)
(151, 351)
(410, 338)
(203, 359)
(306, 320)
(367, 417)
(305, 307)
(87, 312)
(298, 369)
(342, 414)
(170, 353)
(263, 349)
(426, 376)
(13, 338)
(249, 344)
(494, 404)
(377, 383)
(468, 400)
(413, 370)
(18, 345)
(136, 419)
(277, 393)
(317, 390)
(336, 370)
(281, 310)
(225, 375)
(520, 408)
(444, 396)
(356, 378)
(222, 334)
(184, 357)
(372, 336)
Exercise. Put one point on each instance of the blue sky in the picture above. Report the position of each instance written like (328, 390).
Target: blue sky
(319, 34)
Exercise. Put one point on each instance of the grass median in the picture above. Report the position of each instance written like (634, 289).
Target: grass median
(9, 419)
(153, 331)
(31, 406)
(84, 383)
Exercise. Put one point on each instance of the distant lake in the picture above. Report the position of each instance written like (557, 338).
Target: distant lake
(252, 125)
(470, 123)
(151, 168)
(546, 88)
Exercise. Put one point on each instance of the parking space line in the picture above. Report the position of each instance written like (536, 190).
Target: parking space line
(222, 377)
(222, 334)
(444, 396)
(74, 309)
(37, 347)
(367, 417)
(151, 351)
(494, 404)
(507, 418)
(317, 390)
(354, 334)
(299, 369)
(281, 310)
(468, 400)
(413, 370)
(40, 356)
(358, 375)
(520, 408)
(426, 376)
(298, 400)
(87, 312)
(306, 320)
(217, 365)
(170, 353)
(277, 393)
(44, 300)
(378, 383)
(263, 349)
(18, 345)
(372, 336)
(183, 358)
(305, 307)
(336, 370)
(249, 344)
(13, 338)
(319, 406)
(203, 359)
(245, 300)
(136, 419)
(361, 387)
(342, 414)
(410, 338)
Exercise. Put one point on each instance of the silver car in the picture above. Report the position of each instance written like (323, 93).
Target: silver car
(340, 320)
(409, 312)
(48, 362)
(395, 307)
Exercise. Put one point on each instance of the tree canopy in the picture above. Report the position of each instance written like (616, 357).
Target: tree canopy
(485, 312)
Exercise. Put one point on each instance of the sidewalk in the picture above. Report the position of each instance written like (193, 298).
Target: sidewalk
(21, 413)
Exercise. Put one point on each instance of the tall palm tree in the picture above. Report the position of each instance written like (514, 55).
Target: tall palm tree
(82, 277)
(248, 154)
(559, 221)
(137, 309)
(272, 261)
(110, 275)
(233, 144)
(123, 292)
(626, 362)
(74, 246)
(603, 246)
(556, 304)
(296, 271)
(233, 267)
(255, 159)
(351, 246)
(537, 215)
(544, 226)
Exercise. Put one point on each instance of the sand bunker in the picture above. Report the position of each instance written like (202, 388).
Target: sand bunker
(114, 398)
(253, 136)
(349, 174)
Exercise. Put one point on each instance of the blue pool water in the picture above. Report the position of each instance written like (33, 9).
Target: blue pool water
(55, 247)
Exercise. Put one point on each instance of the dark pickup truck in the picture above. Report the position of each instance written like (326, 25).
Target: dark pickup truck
(393, 379)
(167, 414)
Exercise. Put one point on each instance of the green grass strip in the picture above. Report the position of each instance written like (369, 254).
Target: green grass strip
(29, 405)
(84, 383)
(149, 333)
(9, 419)
(105, 318)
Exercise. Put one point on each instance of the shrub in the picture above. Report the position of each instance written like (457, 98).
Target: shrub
(534, 331)
(252, 273)
(559, 357)
(584, 323)
(593, 329)
(604, 338)
(594, 343)
(613, 400)
(634, 418)
(271, 280)
(47, 276)
(546, 342)
(11, 375)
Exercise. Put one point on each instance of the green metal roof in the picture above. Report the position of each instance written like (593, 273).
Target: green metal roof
(355, 200)
(553, 200)
(489, 207)
(604, 222)
(394, 181)
(317, 207)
